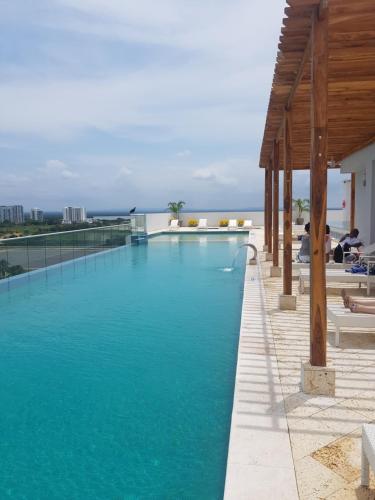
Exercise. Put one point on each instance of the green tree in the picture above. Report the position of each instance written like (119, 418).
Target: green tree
(175, 208)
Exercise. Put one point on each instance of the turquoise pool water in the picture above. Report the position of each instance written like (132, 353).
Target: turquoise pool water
(117, 373)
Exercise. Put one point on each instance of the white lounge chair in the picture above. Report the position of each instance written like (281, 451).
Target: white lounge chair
(337, 276)
(232, 224)
(296, 266)
(247, 224)
(344, 318)
(174, 225)
(202, 224)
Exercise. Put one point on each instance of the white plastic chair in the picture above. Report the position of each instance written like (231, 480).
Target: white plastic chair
(174, 225)
(202, 224)
(232, 224)
(248, 224)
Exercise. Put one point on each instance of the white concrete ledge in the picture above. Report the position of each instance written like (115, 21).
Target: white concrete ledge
(260, 464)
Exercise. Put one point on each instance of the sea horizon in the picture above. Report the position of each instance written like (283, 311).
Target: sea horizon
(142, 210)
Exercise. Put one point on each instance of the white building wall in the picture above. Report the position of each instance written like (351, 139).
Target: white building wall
(362, 164)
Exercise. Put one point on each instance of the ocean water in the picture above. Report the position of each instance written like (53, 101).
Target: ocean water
(117, 373)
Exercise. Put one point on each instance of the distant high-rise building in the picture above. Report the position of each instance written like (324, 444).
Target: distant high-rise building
(36, 214)
(12, 214)
(74, 214)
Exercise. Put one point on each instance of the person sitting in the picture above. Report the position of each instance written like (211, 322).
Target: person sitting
(328, 244)
(304, 252)
(343, 250)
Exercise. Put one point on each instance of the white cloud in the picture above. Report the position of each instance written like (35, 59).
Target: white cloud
(215, 90)
(204, 174)
(155, 103)
(217, 174)
(57, 168)
(124, 172)
(190, 25)
(184, 154)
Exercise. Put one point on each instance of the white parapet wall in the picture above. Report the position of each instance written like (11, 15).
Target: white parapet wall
(160, 221)
(157, 222)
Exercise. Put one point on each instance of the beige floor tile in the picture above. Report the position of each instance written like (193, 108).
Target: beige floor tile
(321, 428)
(363, 403)
(354, 491)
(343, 456)
(316, 481)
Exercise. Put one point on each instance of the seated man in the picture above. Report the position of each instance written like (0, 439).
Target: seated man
(342, 252)
(304, 252)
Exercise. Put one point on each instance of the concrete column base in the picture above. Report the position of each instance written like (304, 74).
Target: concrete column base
(252, 262)
(265, 248)
(318, 380)
(288, 302)
(269, 256)
(275, 272)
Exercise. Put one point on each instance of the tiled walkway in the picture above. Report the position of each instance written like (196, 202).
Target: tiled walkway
(324, 432)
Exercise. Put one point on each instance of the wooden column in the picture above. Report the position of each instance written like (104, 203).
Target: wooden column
(269, 208)
(288, 177)
(275, 204)
(266, 173)
(352, 202)
(318, 185)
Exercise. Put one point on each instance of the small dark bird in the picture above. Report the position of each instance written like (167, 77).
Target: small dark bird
(132, 210)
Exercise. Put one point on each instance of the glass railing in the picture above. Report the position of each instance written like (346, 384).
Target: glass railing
(29, 253)
(138, 228)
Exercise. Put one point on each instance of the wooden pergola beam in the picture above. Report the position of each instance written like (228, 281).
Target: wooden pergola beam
(276, 169)
(288, 176)
(318, 186)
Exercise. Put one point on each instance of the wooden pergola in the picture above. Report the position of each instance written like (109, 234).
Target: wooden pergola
(321, 110)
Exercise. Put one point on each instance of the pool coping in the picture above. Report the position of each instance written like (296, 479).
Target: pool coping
(260, 463)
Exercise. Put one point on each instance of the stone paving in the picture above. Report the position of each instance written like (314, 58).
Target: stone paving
(324, 432)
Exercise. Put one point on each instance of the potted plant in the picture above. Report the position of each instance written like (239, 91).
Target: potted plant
(175, 208)
(223, 223)
(301, 205)
(192, 223)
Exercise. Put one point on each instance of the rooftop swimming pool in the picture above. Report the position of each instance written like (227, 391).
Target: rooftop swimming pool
(117, 373)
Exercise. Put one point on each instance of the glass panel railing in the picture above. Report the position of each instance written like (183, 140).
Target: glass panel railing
(29, 253)
(138, 228)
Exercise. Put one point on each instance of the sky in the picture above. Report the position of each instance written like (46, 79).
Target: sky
(119, 103)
